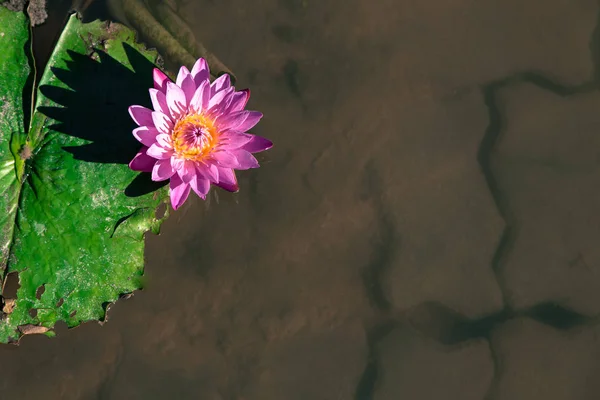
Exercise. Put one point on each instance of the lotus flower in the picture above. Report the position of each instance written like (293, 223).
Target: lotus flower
(197, 133)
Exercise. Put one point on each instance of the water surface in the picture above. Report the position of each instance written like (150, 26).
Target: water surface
(425, 227)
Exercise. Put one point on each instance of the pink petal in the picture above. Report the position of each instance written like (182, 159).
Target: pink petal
(200, 185)
(162, 170)
(216, 100)
(231, 120)
(178, 192)
(225, 159)
(158, 152)
(250, 121)
(226, 104)
(159, 101)
(209, 171)
(164, 141)
(227, 180)
(189, 88)
(200, 71)
(142, 161)
(176, 100)
(177, 163)
(186, 82)
(187, 171)
(239, 100)
(141, 115)
(257, 144)
(222, 82)
(199, 100)
(146, 135)
(245, 159)
(160, 80)
(183, 73)
(162, 122)
(234, 141)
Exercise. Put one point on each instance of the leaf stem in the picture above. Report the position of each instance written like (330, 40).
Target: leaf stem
(34, 72)
(172, 37)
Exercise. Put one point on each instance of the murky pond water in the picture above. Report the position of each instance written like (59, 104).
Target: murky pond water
(426, 226)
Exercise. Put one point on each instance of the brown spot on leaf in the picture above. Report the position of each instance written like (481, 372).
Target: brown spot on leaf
(25, 152)
(112, 29)
(9, 306)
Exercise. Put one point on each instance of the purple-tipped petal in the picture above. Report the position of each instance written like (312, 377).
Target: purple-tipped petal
(257, 144)
(160, 80)
(146, 135)
(178, 191)
(160, 153)
(225, 159)
(245, 159)
(222, 82)
(199, 100)
(162, 122)
(176, 100)
(239, 100)
(200, 71)
(200, 185)
(227, 180)
(234, 141)
(159, 101)
(141, 115)
(250, 121)
(142, 161)
(162, 170)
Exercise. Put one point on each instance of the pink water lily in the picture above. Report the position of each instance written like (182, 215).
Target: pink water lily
(197, 133)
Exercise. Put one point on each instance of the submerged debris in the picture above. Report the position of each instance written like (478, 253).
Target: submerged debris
(31, 329)
(37, 12)
(15, 5)
(36, 9)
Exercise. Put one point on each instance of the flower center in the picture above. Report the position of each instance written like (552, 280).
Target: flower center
(194, 136)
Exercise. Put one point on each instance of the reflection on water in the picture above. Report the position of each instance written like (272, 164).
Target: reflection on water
(425, 226)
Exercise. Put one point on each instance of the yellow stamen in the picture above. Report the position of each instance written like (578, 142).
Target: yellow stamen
(194, 137)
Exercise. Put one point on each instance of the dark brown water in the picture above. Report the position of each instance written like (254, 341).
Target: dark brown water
(426, 227)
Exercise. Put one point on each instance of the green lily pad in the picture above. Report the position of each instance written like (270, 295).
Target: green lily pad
(73, 213)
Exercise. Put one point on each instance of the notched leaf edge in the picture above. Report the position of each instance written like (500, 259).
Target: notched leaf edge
(24, 150)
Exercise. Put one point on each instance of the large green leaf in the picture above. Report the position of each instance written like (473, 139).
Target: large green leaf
(14, 71)
(75, 213)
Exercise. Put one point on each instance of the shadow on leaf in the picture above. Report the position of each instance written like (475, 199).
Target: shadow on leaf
(94, 107)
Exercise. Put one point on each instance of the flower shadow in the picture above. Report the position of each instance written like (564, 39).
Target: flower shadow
(93, 106)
